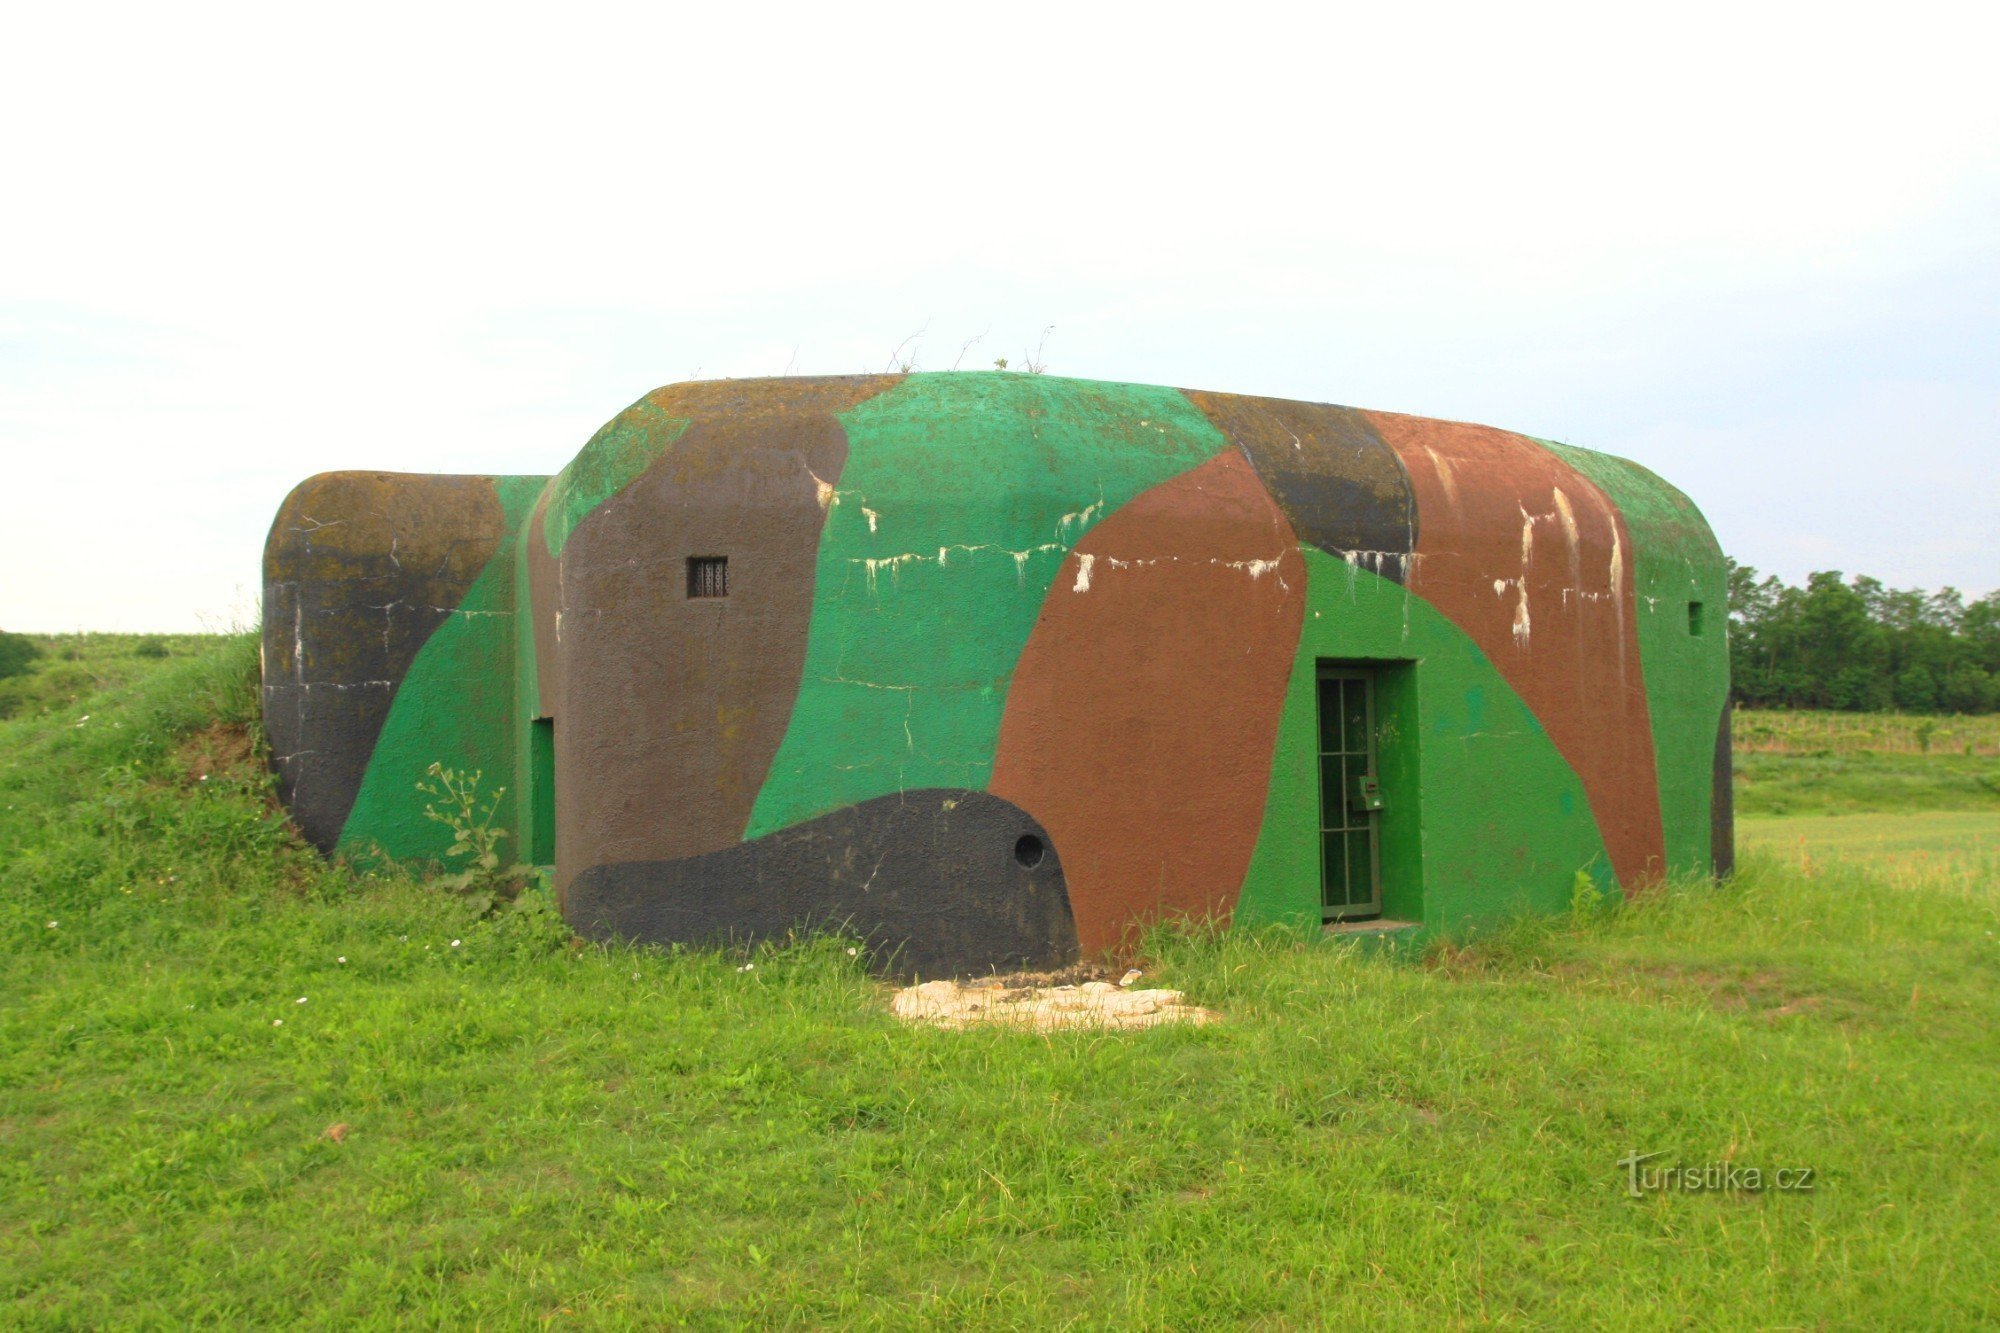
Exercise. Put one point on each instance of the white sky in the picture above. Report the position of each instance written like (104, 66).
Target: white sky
(1756, 248)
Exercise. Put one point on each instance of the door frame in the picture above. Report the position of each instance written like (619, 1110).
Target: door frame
(1370, 677)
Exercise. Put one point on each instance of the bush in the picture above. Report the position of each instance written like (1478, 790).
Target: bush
(1916, 691)
(1969, 690)
(151, 646)
(17, 652)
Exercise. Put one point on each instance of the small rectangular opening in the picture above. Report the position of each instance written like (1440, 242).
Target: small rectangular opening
(1695, 625)
(708, 576)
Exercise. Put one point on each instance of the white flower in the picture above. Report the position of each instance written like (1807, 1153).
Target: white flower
(454, 944)
(341, 959)
(747, 967)
(853, 953)
(52, 926)
(300, 1000)
(277, 1022)
(202, 778)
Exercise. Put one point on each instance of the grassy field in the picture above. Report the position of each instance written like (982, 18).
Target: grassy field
(1851, 763)
(1759, 731)
(74, 667)
(239, 1086)
(1895, 844)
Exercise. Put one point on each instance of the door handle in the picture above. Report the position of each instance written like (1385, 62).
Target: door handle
(1364, 793)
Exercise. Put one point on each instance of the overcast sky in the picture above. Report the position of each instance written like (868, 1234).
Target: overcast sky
(1755, 248)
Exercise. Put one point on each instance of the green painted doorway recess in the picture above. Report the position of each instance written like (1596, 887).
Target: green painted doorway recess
(1350, 797)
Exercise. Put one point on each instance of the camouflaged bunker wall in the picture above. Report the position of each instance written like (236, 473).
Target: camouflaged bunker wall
(1008, 665)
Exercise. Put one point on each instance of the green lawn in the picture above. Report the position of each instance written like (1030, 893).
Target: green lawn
(1920, 836)
(543, 1134)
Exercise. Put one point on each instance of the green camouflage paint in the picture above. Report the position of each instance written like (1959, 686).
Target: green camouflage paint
(961, 497)
(455, 706)
(534, 787)
(1677, 562)
(613, 459)
(1482, 816)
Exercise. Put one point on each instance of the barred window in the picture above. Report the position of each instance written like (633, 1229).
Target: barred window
(708, 576)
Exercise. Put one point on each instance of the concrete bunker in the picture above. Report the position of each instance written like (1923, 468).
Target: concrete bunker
(993, 669)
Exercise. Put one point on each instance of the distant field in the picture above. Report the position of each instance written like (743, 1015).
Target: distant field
(1850, 763)
(242, 1087)
(1755, 731)
(73, 667)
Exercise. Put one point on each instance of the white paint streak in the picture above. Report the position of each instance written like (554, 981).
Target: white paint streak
(1522, 622)
(871, 516)
(1449, 483)
(1080, 519)
(892, 563)
(1568, 517)
(824, 489)
(1083, 564)
(1376, 561)
(1618, 596)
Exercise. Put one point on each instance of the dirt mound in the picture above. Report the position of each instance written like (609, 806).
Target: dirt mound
(1091, 1004)
(222, 750)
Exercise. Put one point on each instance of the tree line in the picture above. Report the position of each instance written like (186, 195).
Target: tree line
(1859, 646)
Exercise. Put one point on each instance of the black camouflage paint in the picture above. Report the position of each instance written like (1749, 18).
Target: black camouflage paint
(1337, 480)
(939, 882)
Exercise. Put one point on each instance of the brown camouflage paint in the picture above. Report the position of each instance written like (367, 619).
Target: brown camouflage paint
(1339, 483)
(1141, 719)
(1534, 563)
(669, 709)
(359, 569)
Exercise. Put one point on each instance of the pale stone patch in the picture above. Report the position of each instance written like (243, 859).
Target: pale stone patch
(1093, 1004)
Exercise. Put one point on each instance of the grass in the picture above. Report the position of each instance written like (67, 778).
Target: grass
(538, 1134)
(74, 667)
(1849, 763)
(1893, 844)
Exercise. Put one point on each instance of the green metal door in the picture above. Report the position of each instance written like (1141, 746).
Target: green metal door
(1350, 800)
